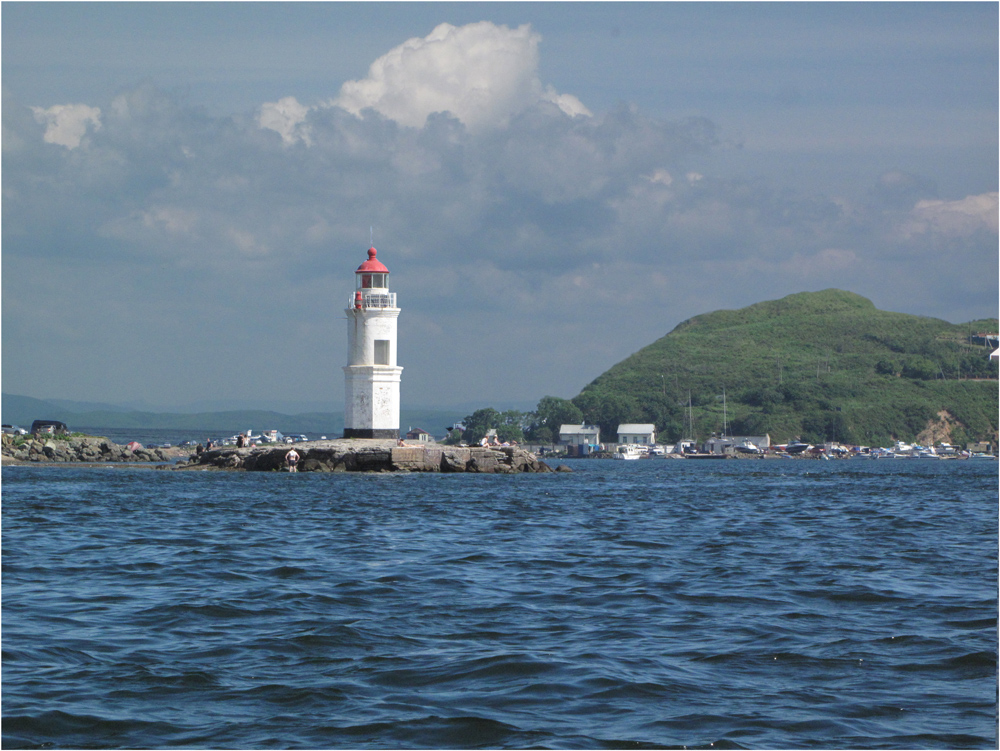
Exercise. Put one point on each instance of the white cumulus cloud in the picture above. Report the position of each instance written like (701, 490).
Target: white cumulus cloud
(286, 116)
(66, 124)
(954, 218)
(481, 73)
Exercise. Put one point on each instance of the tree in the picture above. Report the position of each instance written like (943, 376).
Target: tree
(479, 423)
(550, 414)
(511, 427)
(454, 437)
(608, 410)
(508, 425)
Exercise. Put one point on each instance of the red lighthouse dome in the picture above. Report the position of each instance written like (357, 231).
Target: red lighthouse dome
(372, 274)
(372, 265)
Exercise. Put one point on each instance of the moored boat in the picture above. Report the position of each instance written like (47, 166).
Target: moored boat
(797, 447)
(630, 451)
(748, 448)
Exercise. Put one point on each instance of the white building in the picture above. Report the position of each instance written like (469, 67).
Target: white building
(371, 376)
(642, 433)
(579, 435)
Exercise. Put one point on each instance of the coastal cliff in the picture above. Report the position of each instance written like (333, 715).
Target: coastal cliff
(370, 455)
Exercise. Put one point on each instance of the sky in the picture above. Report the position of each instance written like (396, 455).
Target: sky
(189, 187)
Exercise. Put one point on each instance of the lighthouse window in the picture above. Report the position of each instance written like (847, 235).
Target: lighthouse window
(381, 351)
(372, 280)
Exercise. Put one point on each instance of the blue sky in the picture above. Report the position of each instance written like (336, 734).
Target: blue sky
(552, 185)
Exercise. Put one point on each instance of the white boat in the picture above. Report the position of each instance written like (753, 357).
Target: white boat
(875, 453)
(630, 451)
(747, 447)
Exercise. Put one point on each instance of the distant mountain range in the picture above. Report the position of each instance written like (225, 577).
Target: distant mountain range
(23, 410)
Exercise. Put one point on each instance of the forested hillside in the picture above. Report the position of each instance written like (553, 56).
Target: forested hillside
(817, 365)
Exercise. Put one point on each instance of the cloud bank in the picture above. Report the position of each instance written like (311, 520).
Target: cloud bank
(533, 243)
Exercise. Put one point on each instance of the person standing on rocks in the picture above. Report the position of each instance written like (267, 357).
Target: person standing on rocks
(292, 460)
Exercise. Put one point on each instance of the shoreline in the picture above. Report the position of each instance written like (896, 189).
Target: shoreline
(336, 455)
(370, 455)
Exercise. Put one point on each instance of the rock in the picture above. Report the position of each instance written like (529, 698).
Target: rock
(372, 455)
(417, 458)
(455, 459)
(342, 455)
(563, 468)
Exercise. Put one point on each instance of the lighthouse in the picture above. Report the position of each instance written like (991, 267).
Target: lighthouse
(371, 376)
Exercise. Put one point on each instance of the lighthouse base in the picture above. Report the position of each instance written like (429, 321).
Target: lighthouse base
(372, 406)
(371, 433)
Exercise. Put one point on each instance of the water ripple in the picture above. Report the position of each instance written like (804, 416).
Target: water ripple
(666, 605)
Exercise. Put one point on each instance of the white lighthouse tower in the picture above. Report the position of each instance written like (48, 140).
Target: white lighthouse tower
(371, 376)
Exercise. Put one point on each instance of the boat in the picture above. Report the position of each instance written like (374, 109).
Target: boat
(655, 451)
(797, 448)
(981, 455)
(699, 455)
(748, 448)
(630, 451)
(686, 446)
(902, 450)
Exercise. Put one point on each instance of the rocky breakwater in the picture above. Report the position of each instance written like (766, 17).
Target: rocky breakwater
(371, 455)
(92, 449)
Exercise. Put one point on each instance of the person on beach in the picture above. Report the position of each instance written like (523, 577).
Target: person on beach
(292, 460)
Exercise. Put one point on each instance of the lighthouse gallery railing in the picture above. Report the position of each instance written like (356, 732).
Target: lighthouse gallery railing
(376, 300)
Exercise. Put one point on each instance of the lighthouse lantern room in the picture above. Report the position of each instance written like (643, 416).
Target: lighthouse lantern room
(371, 376)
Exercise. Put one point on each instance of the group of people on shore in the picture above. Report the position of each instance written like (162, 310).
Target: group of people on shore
(495, 441)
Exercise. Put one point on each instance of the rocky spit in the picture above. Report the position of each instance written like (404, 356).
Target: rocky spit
(372, 455)
(89, 449)
(342, 455)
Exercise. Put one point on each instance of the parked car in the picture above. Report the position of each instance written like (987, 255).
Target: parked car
(48, 426)
(14, 430)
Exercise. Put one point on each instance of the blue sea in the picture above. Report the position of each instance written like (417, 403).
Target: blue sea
(650, 604)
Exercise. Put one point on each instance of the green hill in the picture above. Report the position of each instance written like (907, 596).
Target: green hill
(817, 365)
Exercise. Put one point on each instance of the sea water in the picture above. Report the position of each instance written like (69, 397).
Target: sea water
(726, 604)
